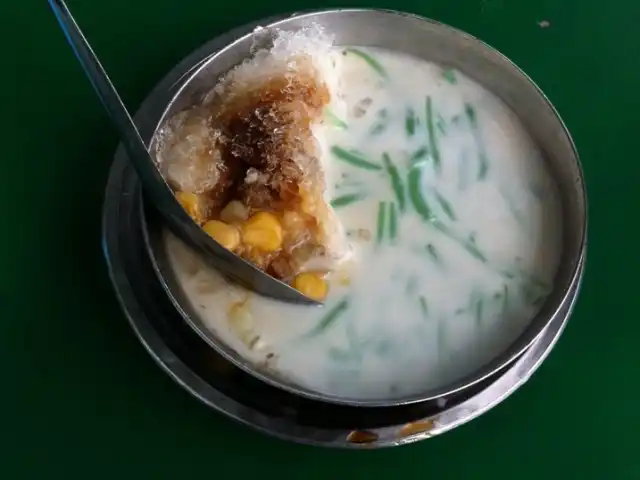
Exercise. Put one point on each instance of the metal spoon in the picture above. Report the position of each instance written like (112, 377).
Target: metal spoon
(160, 194)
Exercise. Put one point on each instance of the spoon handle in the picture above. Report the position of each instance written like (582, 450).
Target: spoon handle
(138, 153)
(154, 184)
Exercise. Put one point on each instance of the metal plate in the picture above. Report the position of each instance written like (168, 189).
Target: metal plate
(221, 385)
(228, 389)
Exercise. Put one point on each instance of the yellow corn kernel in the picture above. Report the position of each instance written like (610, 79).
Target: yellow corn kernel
(293, 221)
(191, 204)
(226, 235)
(234, 212)
(295, 226)
(263, 232)
(311, 284)
(307, 203)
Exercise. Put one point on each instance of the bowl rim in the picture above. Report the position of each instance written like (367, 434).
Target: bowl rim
(502, 360)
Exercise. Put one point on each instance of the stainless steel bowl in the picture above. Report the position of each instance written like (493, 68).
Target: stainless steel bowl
(435, 42)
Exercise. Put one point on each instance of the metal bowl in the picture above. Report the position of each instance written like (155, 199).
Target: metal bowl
(431, 41)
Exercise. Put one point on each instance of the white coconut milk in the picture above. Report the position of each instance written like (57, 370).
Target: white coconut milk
(455, 227)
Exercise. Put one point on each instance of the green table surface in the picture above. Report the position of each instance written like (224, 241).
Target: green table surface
(80, 398)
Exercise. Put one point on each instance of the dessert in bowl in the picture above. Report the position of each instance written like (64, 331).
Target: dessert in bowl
(439, 225)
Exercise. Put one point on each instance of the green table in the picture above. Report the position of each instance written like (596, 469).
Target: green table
(80, 397)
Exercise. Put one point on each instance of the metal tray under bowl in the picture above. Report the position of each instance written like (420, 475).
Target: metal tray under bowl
(205, 374)
(220, 384)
